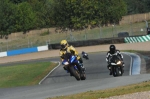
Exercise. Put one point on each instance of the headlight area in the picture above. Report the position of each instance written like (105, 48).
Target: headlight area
(66, 63)
(119, 62)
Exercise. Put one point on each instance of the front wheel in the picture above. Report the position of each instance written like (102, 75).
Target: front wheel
(117, 71)
(74, 72)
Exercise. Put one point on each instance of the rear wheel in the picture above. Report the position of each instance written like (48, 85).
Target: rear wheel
(74, 72)
(87, 58)
(83, 76)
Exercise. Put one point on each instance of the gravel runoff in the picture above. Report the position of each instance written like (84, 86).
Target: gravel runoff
(137, 95)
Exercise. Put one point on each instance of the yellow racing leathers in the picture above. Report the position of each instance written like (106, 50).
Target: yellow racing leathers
(72, 50)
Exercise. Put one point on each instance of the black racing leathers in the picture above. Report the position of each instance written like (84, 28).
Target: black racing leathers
(109, 55)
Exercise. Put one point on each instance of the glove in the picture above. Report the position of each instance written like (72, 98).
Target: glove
(72, 52)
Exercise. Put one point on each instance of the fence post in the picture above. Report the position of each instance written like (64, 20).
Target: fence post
(100, 34)
(7, 44)
(113, 30)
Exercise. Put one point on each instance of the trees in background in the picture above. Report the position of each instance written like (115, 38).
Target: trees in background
(7, 19)
(24, 15)
(81, 13)
(137, 6)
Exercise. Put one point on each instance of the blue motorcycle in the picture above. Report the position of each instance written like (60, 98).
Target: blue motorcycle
(70, 62)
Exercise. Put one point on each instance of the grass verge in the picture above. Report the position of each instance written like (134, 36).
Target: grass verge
(24, 75)
(140, 87)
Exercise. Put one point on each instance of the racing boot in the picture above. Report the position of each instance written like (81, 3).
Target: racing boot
(123, 64)
(109, 67)
(82, 67)
(80, 62)
(66, 69)
(110, 71)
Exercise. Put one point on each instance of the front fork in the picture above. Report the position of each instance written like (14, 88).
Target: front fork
(122, 70)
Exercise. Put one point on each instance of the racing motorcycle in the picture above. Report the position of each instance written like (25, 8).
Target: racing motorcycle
(70, 64)
(116, 66)
(85, 55)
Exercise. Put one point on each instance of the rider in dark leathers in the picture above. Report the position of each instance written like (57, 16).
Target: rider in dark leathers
(83, 54)
(113, 50)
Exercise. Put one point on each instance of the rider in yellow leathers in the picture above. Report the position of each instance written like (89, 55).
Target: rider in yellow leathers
(66, 48)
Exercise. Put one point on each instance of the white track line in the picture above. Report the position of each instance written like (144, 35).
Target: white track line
(50, 72)
(130, 62)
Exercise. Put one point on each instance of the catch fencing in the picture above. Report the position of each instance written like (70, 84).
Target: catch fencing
(134, 25)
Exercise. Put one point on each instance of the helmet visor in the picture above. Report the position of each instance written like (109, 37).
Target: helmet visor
(63, 46)
(112, 50)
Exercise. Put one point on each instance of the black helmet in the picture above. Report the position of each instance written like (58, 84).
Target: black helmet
(83, 52)
(112, 49)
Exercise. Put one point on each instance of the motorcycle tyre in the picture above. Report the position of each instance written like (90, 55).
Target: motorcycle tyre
(83, 75)
(116, 71)
(74, 72)
(87, 58)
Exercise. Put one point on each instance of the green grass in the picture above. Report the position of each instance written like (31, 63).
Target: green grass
(140, 87)
(24, 75)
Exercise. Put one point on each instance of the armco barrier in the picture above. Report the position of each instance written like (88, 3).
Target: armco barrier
(57, 46)
(42, 48)
(78, 44)
(24, 51)
(3, 54)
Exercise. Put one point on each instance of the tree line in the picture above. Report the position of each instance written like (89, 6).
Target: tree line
(25, 15)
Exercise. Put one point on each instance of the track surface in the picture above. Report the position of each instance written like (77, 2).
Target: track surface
(61, 83)
(96, 68)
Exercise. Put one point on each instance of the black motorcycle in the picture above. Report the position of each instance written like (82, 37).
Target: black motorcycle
(116, 66)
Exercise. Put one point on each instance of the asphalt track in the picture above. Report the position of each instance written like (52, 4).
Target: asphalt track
(61, 83)
(96, 68)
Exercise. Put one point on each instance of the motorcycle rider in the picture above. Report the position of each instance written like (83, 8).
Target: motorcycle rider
(83, 54)
(113, 50)
(66, 48)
